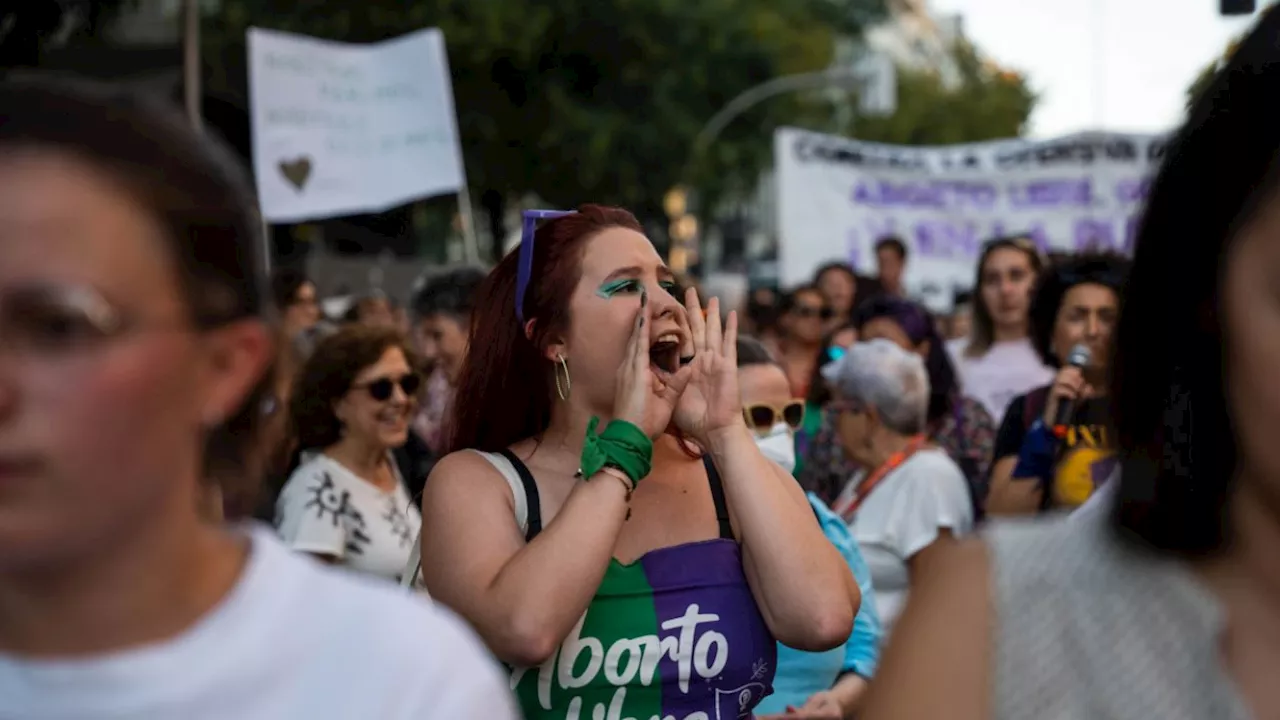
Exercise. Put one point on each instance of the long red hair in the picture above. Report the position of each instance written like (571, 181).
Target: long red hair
(506, 388)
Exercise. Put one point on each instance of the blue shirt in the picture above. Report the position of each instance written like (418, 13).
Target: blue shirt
(801, 674)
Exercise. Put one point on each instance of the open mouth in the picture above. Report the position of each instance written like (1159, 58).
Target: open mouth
(664, 353)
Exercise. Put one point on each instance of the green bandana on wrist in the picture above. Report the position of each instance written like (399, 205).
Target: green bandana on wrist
(622, 445)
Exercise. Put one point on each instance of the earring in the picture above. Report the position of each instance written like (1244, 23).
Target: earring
(563, 392)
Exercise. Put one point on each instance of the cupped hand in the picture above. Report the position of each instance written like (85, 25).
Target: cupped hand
(642, 397)
(710, 401)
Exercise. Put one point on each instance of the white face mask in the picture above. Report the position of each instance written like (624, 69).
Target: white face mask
(779, 446)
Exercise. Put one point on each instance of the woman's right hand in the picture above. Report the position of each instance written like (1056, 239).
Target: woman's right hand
(1069, 386)
(642, 397)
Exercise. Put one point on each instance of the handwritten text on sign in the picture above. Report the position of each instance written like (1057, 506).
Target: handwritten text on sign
(837, 197)
(341, 129)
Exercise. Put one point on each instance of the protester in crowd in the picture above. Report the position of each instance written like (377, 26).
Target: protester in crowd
(839, 286)
(295, 298)
(1167, 606)
(891, 264)
(960, 321)
(956, 423)
(804, 317)
(821, 466)
(131, 335)
(568, 522)
(997, 362)
(347, 501)
(442, 311)
(762, 317)
(1044, 465)
(372, 309)
(828, 684)
(910, 499)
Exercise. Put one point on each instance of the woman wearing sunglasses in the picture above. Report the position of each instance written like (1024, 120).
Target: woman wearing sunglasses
(346, 502)
(808, 685)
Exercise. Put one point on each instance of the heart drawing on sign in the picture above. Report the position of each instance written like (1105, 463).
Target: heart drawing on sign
(296, 171)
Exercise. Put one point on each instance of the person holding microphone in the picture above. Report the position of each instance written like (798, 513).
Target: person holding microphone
(1054, 449)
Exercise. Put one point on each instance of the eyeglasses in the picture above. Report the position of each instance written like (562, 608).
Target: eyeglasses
(846, 406)
(383, 388)
(764, 417)
(806, 311)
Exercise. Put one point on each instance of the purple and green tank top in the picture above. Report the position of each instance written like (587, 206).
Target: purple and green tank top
(676, 635)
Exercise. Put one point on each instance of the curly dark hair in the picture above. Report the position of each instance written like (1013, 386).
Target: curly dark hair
(328, 376)
(1110, 270)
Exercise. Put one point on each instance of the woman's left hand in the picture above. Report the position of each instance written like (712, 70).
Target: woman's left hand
(710, 402)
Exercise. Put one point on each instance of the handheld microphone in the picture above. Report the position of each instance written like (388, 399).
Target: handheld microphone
(1078, 357)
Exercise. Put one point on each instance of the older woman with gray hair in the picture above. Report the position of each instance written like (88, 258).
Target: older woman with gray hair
(910, 498)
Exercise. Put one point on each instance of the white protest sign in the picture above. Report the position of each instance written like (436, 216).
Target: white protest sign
(837, 197)
(341, 129)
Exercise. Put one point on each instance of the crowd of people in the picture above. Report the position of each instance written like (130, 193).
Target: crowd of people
(572, 487)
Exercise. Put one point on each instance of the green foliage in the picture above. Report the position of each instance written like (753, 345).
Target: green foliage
(598, 100)
(989, 103)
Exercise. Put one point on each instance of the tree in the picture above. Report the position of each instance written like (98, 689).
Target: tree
(579, 100)
(29, 27)
(988, 103)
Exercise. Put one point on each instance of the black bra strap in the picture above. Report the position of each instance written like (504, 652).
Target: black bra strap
(530, 495)
(717, 497)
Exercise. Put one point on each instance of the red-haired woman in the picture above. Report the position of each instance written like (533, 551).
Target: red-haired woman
(619, 571)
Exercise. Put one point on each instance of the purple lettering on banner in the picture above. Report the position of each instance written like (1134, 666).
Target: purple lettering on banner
(1052, 193)
(1133, 190)
(1093, 234)
(942, 239)
(937, 194)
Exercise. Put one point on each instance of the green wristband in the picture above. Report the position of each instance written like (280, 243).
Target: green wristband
(622, 445)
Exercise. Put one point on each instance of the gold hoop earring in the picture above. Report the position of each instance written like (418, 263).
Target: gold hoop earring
(563, 392)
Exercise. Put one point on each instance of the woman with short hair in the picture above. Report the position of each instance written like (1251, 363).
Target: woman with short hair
(909, 499)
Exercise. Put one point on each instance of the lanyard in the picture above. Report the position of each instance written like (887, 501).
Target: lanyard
(849, 509)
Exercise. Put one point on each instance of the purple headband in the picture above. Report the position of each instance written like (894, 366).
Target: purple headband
(525, 268)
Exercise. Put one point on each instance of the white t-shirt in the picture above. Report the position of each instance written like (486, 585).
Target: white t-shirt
(328, 510)
(1007, 370)
(294, 640)
(902, 516)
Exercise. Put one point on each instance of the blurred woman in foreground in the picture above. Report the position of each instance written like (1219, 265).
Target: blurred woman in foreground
(1169, 605)
(130, 339)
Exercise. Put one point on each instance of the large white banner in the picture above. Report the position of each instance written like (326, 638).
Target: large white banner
(340, 129)
(837, 197)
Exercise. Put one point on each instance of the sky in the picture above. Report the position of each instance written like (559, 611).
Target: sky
(1118, 65)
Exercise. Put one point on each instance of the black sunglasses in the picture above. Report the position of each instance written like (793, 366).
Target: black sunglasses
(383, 388)
(806, 311)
